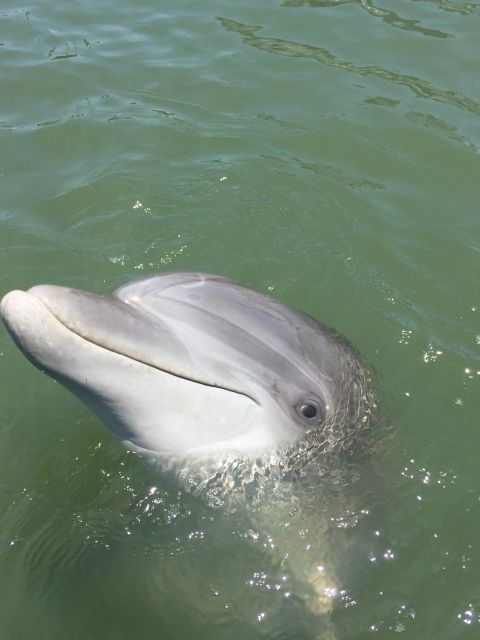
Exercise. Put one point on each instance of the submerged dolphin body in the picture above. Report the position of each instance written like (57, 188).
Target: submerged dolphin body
(194, 364)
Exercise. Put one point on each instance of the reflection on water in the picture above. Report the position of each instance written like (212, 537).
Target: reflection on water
(466, 8)
(449, 130)
(421, 88)
(390, 17)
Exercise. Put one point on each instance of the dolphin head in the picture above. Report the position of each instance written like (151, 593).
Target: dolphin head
(192, 363)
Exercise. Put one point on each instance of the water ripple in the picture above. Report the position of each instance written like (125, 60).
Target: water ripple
(420, 88)
(390, 17)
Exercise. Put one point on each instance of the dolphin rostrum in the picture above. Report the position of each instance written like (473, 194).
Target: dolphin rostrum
(194, 364)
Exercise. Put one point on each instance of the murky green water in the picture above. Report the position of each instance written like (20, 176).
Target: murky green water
(326, 152)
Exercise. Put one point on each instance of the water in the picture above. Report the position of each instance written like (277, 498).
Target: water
(325, 152)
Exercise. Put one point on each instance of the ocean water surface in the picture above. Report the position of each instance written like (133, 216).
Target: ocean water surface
(325, 152)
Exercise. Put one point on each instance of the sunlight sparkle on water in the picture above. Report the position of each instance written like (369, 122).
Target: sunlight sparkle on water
(469, 616)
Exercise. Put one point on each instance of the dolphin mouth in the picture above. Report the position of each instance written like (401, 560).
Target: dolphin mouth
(55, 299)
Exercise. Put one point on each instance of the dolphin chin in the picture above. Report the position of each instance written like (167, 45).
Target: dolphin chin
(191, 364)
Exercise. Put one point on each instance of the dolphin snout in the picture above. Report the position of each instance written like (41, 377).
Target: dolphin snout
(11, 304)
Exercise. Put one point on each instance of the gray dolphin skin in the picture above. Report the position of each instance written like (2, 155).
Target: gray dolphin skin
(194, 364)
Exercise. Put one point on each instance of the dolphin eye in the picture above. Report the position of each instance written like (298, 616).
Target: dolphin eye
(310, 411)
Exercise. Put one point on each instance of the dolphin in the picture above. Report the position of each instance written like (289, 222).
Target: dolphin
(196, 365)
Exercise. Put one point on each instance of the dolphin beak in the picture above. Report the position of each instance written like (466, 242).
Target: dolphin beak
(15, 307)
(95, 346)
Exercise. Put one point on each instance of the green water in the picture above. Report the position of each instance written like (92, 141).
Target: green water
(325, 152)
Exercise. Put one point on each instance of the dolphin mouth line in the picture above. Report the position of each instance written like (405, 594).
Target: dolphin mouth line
(176, 374)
